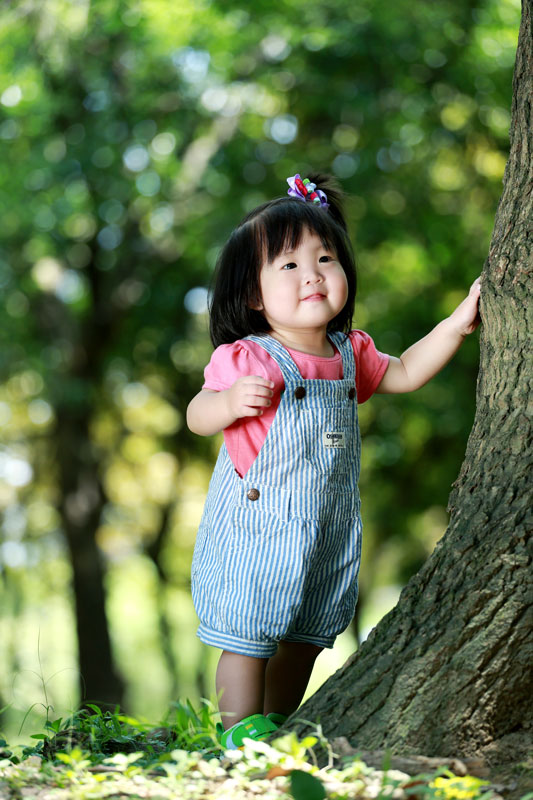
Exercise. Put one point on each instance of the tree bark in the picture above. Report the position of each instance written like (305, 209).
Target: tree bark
(449, 671)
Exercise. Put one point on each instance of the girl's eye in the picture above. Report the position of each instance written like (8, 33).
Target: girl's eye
(290, 265)
(326, 258)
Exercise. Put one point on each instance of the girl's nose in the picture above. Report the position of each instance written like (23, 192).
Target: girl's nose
(312, 274)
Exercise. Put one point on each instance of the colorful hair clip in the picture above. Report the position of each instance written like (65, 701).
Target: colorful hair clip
(306, 191)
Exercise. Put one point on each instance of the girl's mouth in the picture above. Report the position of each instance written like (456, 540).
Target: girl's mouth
(315, 297)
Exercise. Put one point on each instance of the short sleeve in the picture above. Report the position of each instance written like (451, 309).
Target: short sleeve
(230, 362)
(370, 364)
(245, 437)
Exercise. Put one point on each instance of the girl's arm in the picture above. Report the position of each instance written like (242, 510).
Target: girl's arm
(428, 356)
(210, 412)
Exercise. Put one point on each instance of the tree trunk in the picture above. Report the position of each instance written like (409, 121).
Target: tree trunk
(449, 671)
(82, 500)
(154, 551)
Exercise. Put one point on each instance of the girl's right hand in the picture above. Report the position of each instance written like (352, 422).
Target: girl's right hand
(249, 396)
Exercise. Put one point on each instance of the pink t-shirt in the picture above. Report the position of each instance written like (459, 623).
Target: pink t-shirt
(229, 362)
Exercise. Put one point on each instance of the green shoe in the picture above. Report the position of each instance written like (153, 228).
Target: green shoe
(277, 719)
(255, 727)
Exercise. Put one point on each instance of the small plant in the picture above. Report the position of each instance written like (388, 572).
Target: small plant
(448, 786)
(192, 728)
(104, 733)
(97, 754)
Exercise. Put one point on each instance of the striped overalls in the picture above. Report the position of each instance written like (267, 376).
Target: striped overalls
(277, 553)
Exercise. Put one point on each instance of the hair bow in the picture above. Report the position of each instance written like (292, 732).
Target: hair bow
(306, 191)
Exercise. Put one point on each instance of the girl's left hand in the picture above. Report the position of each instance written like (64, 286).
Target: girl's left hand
(466, 316)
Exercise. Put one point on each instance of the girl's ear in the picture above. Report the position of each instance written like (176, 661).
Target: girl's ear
(256, 303)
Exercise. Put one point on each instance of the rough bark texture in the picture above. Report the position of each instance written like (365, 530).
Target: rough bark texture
(449, 671)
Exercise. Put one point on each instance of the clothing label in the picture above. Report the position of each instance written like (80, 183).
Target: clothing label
(333, 439)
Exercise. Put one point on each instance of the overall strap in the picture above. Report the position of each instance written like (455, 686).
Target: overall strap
(344, 346)
(281, 356)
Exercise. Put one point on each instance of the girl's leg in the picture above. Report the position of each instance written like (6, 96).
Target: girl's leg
(240, 683)
(287, 676)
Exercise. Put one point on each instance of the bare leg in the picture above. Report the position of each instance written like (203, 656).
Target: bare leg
(240, 685)
(287, 676)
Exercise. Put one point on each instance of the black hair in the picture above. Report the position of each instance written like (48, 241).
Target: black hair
(264, 233)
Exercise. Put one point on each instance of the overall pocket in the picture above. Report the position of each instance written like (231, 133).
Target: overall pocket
(261, 512)
(328, 439)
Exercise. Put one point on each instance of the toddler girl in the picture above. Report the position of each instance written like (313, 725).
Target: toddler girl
(274, 575)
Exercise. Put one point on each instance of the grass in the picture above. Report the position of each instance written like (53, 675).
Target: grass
(102, 754)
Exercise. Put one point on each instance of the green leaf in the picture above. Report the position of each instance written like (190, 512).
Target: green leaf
(309, 741)
(306, 787)
(96, 709)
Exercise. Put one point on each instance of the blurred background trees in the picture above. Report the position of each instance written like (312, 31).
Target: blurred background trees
(134, 137)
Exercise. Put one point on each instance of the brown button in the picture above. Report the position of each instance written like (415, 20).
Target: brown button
(351, 393)
(299, 392)
(253, 494)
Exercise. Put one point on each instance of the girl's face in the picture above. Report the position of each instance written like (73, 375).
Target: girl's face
(303, 289)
